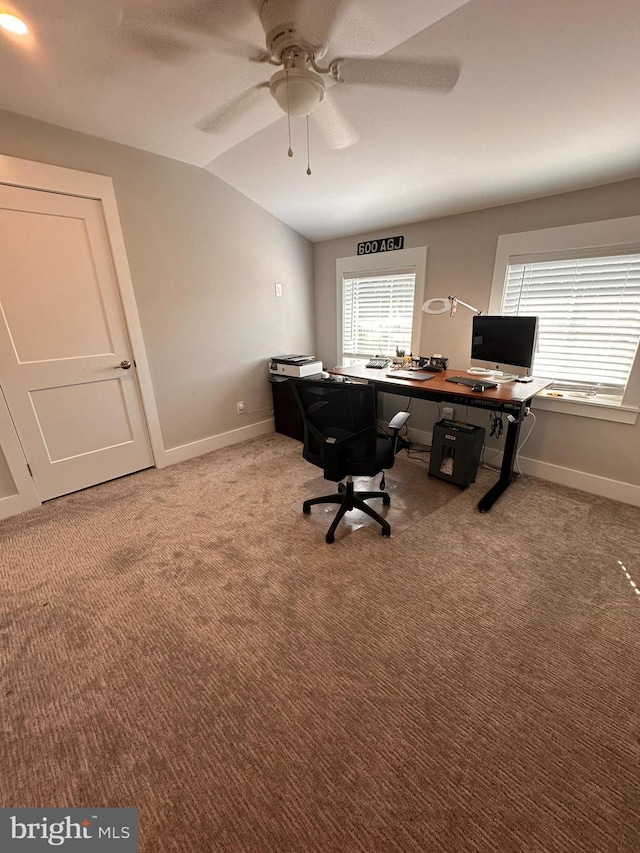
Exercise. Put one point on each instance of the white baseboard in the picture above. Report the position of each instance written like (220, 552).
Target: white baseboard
(615, 489)
(215, 442)
(419, 436)
(15, 504)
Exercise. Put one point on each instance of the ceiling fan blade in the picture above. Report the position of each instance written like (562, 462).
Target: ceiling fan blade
(219, 119)
(316, 20)
(334, 126)
(224, 41)
(435, 75)
(237, 47)
(214, 16)
(169, 33)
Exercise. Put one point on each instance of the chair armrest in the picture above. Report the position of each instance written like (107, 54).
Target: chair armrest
(399, 420)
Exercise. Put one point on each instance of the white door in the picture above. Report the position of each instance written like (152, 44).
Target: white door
(77, 412)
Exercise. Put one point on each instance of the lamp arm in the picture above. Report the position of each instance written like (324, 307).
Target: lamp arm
(455, 300)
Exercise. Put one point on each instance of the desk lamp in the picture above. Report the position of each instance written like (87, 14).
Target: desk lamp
(449, 304)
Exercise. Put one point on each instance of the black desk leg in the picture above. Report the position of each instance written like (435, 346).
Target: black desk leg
(506, 471)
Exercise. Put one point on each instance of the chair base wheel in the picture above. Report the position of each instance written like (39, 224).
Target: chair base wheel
(349, 499)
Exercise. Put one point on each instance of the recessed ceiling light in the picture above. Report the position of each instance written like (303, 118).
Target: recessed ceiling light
(13, 24)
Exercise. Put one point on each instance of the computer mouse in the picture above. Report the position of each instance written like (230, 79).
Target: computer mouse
(477, 387)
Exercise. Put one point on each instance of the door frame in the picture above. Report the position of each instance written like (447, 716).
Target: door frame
(29, 174)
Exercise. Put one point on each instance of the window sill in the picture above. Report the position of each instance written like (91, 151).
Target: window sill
(598, 409)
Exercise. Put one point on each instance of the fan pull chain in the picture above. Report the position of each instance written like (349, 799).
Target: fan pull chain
(290, 151)
(308, 158)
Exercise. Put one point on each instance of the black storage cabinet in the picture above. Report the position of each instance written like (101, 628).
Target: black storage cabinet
(455, 451)
(285, 408)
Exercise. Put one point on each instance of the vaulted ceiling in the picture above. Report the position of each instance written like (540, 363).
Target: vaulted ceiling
(546, 100)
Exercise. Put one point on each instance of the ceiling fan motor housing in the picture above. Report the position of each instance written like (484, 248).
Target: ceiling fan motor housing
(282, 33)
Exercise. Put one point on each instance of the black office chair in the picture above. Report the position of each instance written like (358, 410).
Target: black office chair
(341, 436)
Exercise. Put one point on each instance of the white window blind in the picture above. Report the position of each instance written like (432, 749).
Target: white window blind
(377, 314)
(589, 318)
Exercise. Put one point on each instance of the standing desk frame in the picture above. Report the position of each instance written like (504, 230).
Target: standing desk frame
(511, 398)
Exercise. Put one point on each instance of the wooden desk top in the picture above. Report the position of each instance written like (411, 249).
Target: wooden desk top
(506, 392)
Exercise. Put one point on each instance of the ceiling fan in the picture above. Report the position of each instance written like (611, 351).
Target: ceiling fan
(297, 41)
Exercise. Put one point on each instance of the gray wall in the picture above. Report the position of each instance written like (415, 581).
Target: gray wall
(204, 260)
(460, 259)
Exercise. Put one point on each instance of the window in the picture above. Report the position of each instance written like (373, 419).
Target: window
(377, 314)
(583, 282)
(589, 319)
(379, 300)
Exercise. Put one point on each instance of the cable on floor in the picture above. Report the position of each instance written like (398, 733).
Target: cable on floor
(415, 451)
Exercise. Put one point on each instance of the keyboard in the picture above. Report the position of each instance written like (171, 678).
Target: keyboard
(471, 383)
(378, 363)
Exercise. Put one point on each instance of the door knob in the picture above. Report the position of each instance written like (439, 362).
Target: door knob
(124, 365)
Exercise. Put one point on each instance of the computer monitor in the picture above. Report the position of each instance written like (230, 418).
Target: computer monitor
(504, 340)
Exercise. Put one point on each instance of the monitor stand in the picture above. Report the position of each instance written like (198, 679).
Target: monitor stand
(494, 375)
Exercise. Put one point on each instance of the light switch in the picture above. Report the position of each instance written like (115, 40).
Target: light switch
(278, 289)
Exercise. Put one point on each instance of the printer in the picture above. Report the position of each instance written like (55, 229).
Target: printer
(295, 365)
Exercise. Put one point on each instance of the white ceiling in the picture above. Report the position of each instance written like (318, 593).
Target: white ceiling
(547, 100)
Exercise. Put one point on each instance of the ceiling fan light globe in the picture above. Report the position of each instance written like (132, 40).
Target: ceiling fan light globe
(297, 91)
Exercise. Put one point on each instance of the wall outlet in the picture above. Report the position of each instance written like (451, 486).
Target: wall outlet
(240, 407)
(448, 412)
(278, 288)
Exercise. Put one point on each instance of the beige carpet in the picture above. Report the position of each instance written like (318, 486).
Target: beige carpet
(184, 641)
